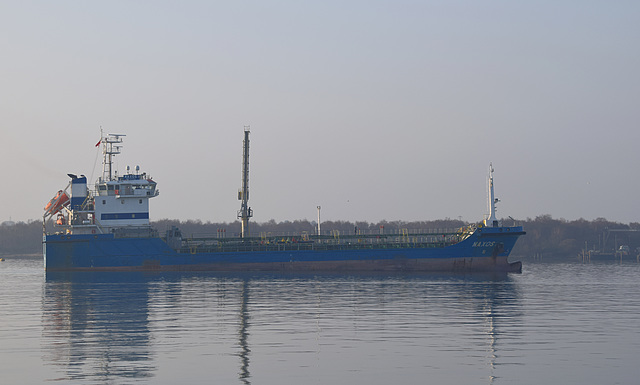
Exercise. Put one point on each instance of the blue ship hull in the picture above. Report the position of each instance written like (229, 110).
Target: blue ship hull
(486, 249)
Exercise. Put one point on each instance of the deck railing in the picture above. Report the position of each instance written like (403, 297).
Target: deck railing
(330, 241)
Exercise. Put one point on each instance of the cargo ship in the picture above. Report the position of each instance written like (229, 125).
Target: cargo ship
(107, 228)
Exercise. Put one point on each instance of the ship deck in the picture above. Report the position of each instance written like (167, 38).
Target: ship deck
(333, 242)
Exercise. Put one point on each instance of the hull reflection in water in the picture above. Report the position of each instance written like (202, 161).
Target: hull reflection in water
(97, 327)
(275, 328)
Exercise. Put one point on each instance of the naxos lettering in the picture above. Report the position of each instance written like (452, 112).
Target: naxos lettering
(484, 244)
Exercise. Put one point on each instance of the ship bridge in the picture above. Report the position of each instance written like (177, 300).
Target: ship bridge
(136, 185)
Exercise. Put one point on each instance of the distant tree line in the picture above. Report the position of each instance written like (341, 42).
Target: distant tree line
(547, 238)
(21, 238)
(560, 239)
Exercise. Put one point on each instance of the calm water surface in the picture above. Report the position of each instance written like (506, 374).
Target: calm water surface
(555, 323)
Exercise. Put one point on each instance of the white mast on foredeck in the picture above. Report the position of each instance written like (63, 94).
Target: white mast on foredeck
(491, 221)
(245, 211)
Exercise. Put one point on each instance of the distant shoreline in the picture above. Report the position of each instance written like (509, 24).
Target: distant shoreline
(21, 256)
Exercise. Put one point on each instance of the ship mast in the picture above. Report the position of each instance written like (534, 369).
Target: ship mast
(245, 211)
(108, 151)
(492, 221)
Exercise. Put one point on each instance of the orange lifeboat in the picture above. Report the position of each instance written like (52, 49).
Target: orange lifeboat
(57, 203)
(48, 206)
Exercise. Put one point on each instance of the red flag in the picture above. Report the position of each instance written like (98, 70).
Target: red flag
(100, 141)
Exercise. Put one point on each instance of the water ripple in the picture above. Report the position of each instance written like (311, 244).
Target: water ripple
(567, 323)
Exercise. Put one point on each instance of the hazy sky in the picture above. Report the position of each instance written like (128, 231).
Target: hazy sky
(372, 109)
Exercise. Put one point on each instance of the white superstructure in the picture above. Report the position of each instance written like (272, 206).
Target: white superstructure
(118, 203)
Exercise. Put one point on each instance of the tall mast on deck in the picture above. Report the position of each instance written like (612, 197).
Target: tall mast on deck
(245, 211)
